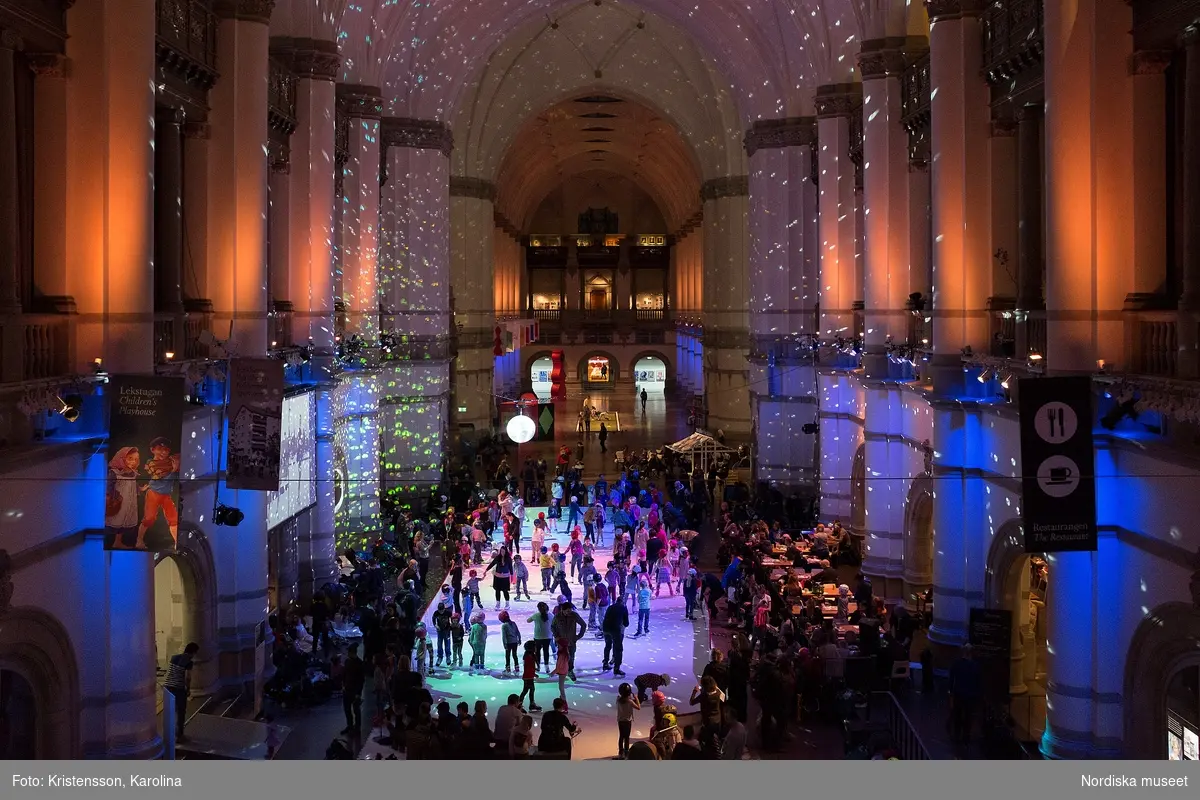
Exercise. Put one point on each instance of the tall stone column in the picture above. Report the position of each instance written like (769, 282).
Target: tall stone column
(238, 171)
(726, 332)
(1089, 171)
(311, 198)
(1189, 303)
(1030, 262)
(110, 250)
(920, 240)
(783, 377)
(10, 301)
(195, 208)
(472, 254)
(1002, 149)
(360, 209)
(50, 176)
(959, 188)
(415, 393)
(838, 220)
(168, 210)
(1147, 69)
(279, 222)
(885, 185)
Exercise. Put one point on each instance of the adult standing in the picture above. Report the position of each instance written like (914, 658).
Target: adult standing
(456, 582)
(603, 438)
(644, 396)
(568, 628)
(616, 620)
(542, 634)
(966, 688)
(502, 563)
(354, 678)
(178, 683)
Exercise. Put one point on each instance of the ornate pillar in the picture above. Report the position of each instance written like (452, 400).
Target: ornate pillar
(279, 189)
(168, 210)
(885, 186)
(961, 216)
(196, 208)
(50, 177)
(10, 301)
(238, 171)
(1147, 70)
(363, 106)
(725, 369)
(1030, 262)
(783, 377)
(1189, 303)
(415, 393)
(838, 221)
(1002, 149)
(472, 254)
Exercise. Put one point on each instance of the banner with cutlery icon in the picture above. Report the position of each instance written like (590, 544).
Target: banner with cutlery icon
(1058, 505)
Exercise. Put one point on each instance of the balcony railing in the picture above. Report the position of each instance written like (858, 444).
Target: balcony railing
(651, 314)
(547, 314)
(35, 347)
(1152, 343)
(281, 324)
(189, 28)
(177, 336)
(1012, 39)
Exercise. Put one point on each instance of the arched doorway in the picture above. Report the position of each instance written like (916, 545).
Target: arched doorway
(18, 717)
(541, 376)
(598, 370)
(1019, 582)
(185, 606)
(650, 373)
(1162, 673)
(918, 544)
(174, 609)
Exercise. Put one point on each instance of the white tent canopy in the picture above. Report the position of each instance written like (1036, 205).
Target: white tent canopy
(702, 448)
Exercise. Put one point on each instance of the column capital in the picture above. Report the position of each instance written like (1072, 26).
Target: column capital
(169, 115)
(11, 40)
(953, 9)
(475, 188)
(888, 57)
(1149, 62)
(197, 130)
(418, 134)
(727, 186)
(775, 134)
(245, 10)
(359, 101)
(838, 100)
(310, 59)
(49, 65)
(1003, 127)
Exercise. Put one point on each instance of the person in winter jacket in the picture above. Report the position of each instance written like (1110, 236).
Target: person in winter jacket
(599, 604)
(510, 636)
(441, 623)
(616, 620)
(568, 628)
(542, 635)
(457, 634)
(478, 640)
(691, 588)
(521, 573)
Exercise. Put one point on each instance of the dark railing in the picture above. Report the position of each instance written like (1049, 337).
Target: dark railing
(916, 93)
(189, 28)
(547, 314)
(281, 97)
(651, 314)
(900, 728)
(1012, 39)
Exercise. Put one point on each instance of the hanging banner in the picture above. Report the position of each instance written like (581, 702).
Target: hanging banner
(255, 424)
(141, 503)
(1058, 505)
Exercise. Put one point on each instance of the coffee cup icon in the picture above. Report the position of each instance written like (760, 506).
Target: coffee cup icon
(1059, 475)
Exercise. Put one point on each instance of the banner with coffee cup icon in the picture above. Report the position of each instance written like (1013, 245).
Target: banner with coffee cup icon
(1058, 505)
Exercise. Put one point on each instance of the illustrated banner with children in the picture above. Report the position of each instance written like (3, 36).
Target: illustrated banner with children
(255, 424)
(141, 505)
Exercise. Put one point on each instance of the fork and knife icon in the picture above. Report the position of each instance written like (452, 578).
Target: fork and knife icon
(1055, 417)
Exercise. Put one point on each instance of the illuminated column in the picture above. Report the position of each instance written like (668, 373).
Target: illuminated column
(311, 196)
(360, 209)
(196, 207)
(920, 242)
(961, 197)
(951, 608)
(416, 290)
(885, 187)
(50, 176)
(168, 210)
(1089, 172)
(473, 236)
(1002, 280)
(238, 175)
(725, 369)
(110, 248)
(782, 373)
(1148, 73)
(279, 220)
(318, 557)
(10, 302)
(1189, 303)
(837, 226)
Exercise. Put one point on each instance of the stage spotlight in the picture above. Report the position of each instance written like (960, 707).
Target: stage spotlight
(985, 376)
(1005, 380)
(228, 516)
(1126, 408)
(71, 404)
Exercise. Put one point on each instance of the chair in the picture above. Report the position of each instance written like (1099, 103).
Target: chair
(901, 670)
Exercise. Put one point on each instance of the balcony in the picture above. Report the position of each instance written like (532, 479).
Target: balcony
(36, 347)
(281, 324)
(1152, 343)
(186, 33)
(547, 314)
(177, 336)
(1012, 39)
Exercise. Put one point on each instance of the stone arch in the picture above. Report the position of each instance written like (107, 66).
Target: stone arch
(659, 354)
(918, 538)
(194, 557)
(1006, 586)
(527, 369)
(614, 367)
(35, 645)
(1163, 644)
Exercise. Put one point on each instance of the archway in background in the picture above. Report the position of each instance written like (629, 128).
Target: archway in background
(1162, 647)
(185, 605)
(918, 542)
(174, 609)
(539, 375)
(650, 373)
(598, 370)
(18, 717)
(36, 655)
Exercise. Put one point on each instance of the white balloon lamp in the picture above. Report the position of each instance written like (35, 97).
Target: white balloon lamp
(521, 429)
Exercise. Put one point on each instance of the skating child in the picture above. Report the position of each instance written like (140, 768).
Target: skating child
(598, 607)
(510, 636)
(478, 640)
(521, 572)
(441, 623)
(643, 604)
(673, 559)
(539, 533)
(478, 539)
(691, 587)
(588, 577)
(554, 512)
(559, 580)
(529, 665)
(457, 633)
(546, 563)
(662, 575)
(473, 590)
(612, 577)
(650, 682)
(626, 705)
(576, 550)
(422, 653)
(464, 550)
(685, 564)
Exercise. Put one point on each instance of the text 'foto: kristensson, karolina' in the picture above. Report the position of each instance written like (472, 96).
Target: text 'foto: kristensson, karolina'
(1132, 782)
(59, 781)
